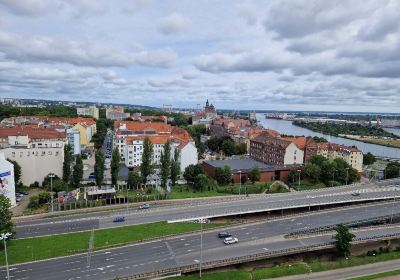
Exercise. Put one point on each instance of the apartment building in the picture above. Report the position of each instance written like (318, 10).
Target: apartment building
(274, 150)
(129, 138)
(352, 155)
(92, 111)
(39, 151)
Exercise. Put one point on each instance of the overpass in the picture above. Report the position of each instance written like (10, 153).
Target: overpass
(182, 253)
(231, 207)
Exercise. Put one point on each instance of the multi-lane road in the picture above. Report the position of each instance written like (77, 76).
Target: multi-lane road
(268, 236)
(222, 207)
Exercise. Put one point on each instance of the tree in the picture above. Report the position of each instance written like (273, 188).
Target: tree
(17, 171)
(77, 173)
(165, 164)
(313, 171)
(67, 163)
(115, 159)
(146, 168)
(6, 224)
(47, 180)
(191, 172)
(293, 177)
(392, 170)
(134, 179)
(223, 175)
(201, 182)
(318, 160)
(213, 144)
(369, 159)
(241, 149)
(254, 174)
(99, 167)
(228, 147)
(343, 240)
(175, 167)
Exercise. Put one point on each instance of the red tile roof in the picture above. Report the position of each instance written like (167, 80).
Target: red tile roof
(33, 133)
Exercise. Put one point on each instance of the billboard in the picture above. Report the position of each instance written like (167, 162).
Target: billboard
(7, 187)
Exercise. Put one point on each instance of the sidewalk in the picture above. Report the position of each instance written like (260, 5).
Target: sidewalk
(23, 204)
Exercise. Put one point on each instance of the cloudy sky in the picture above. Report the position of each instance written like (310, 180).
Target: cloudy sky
(287, 55)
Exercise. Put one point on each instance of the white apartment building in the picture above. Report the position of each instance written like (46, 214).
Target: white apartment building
(352, 155)
(7, 183)
(39, 151)
(74, 140)
(92, 111)
(129, 137)
(133, 151)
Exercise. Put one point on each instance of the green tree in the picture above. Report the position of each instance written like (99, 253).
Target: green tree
(115, 159)
(328, 171)
(175, 167)
(254, 174)
(343, 239)
(228, 147)
(134, 179)
(201, 182)
(213, 144)
(99, 167)
(165, 164)
(47, 180)
(58, 186)
(147, 167)
(67, 163)
(77, 173)
(241, 149)
(318, 160)
(313, 171)
(17, 171)
(191, 172)
(392, 170)
(369, 159)
(6, 224)
(223, 175)
(293, 177)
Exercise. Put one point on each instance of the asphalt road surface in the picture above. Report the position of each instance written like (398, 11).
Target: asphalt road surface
(259, 203)
(185, 250)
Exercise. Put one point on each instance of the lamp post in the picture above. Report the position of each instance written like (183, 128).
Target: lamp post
(299, 171)
(333, 176)
(4, 237)
(394, 201)
(347, 174)
(201, 244)
(51, 176)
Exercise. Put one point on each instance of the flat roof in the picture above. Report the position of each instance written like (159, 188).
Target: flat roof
(247, 164)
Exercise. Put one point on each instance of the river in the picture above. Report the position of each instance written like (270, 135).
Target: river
(286, 127)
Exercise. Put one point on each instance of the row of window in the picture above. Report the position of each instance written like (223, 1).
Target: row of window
(37, 153)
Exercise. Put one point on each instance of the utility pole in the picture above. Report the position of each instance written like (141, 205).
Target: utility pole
(4, 237)
(51, 176)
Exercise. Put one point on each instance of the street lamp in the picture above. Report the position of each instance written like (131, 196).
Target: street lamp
(4, 237)
(394, 201)
(333, 177)
(51, 176)
(240, 180)
(347, 174)
(201, 244)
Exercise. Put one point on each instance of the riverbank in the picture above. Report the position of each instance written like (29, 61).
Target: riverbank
(392, 143)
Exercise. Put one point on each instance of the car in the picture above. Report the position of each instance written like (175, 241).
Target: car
(91, 176)
(25, 193)
(18, 199)
(224, 234)
(230, 240)
(355, 194)
(144, 206)
(119, 219)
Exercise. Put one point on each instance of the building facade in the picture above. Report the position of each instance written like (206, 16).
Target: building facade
(7, 182)
(92, 111)
(39, 151)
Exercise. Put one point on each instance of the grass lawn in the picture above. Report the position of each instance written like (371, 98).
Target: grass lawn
(186, 191)
(306, 185)
(39, 248)
(378, 276)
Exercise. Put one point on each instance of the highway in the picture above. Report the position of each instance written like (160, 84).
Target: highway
(219, 208)
(268, 236)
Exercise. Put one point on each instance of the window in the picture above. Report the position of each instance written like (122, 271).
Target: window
(13, 154)
(56, 153)
(49, 153)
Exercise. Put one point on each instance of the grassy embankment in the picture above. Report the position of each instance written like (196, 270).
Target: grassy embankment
(39, 248)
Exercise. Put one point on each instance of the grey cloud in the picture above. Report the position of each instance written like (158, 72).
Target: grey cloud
(173, 24)
(30, 8)
(248, 13)
(51, 50)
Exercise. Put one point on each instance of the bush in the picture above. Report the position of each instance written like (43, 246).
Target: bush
(37, 201)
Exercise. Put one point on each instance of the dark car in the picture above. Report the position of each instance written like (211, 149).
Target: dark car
(224, 234)
(119, 219)
(355, 194)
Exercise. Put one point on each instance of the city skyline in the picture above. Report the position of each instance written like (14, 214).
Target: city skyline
(283, 55)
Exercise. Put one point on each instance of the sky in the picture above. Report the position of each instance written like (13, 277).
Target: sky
(262, 55)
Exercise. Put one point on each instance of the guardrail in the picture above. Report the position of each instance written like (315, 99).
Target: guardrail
(330, 227)
(249, 258)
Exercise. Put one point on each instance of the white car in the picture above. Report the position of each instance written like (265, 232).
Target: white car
(230, 240)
